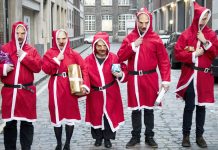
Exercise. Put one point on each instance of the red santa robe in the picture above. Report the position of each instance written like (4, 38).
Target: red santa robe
(143, 90)
(203, 82)
(63, 106)
(107, 101)
(19, 104)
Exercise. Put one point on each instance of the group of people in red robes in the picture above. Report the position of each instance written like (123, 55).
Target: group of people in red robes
(101, 71)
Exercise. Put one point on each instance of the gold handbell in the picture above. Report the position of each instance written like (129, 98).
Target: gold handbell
(75, 78)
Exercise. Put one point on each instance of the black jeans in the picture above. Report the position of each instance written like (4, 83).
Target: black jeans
(10, 135)
(137, 123)
(188, 113)
(107, 133)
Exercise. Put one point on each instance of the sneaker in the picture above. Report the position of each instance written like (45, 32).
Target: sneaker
(201, 142)
(133, 141)
(98, 142)
(107, 143)
(186, 141)
(150, 141)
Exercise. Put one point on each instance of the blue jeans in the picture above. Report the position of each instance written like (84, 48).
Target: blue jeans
(188, 113)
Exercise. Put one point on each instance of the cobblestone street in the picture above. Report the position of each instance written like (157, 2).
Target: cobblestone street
(168, 123)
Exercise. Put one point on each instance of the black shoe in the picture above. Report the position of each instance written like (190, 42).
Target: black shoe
(58, 147)
(150, 141)
(186, 141)
(107, 143)
(133, 141)
(201, 142)
(98, 142)
(66, 147)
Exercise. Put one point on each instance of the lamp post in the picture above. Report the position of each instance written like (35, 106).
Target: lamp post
(171, 25)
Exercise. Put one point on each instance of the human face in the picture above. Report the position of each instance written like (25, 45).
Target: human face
(20, 34)
(101, 48)
(143, 21)
(61, 39)
(204, 20)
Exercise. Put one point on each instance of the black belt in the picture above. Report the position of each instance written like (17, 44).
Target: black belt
(63, 74)
(103, 87)
(141, 72)
(20, 86)
(205, 70)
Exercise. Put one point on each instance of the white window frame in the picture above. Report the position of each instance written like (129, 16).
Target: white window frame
(123, 21)
(106, 2)
(90, 22)
(107, 18)
(89, 2)
(123, 2)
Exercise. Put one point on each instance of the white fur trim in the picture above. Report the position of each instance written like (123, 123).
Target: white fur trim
(206, 47)
(193, 57)
(22, 56)
(5, 69)
(57, 61)
(64, 121)
(86, 87)
(19, 118)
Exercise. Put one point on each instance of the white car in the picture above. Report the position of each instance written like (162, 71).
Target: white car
(88, 39)
(164, 39)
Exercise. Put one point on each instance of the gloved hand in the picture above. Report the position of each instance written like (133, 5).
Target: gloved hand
(138, 41)
(9, 67)
(60, 56)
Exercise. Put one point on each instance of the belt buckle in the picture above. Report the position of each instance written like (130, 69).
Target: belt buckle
(100, 88)
(206, 70)
(20, 86)
(64, 74)
(140, 72)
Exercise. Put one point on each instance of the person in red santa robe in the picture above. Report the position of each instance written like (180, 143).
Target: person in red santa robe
(18, 92)
(63, 106)
(104, 109)
(144, 51)
(195, 49)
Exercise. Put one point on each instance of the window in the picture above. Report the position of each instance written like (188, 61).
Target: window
(89, 2)
(106, 23)
(122, 19)
(89, 23)
(106, 2)
(123, 2)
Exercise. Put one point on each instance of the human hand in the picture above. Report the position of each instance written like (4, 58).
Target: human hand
(60, 56)
(20, 52)
(199, 51)
(201, 37)
(165, 86)
(118, 74)
(84, 91)
(9, 67)
(138, 41)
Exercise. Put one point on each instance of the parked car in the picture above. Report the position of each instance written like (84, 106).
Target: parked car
(164, 38)
(88, 39)
(170, 49)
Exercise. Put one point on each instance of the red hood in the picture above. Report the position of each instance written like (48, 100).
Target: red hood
(199, 12)
(54, 40)
(101, 36)
(149, 27)
(14, 35)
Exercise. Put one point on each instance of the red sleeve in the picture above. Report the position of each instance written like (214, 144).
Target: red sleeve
(49, 66)
(125, 51)
(32, 61)
(180, 53)
(163, 61)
